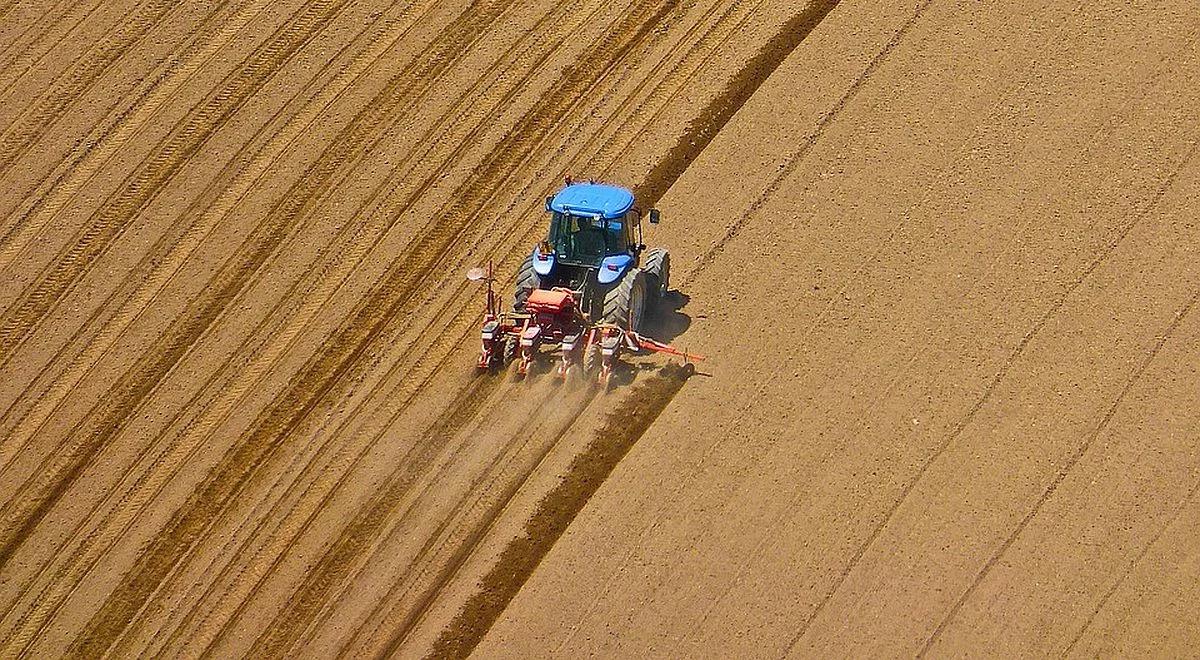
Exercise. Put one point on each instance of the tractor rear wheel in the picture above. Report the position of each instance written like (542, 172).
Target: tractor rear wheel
(625, 304)
(658, 273)
(527, 281)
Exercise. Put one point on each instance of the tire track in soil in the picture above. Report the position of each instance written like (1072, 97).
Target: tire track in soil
(311, 466)
(161, 262)
(143, 186)
(588, 471)
(274, 422)
(624, 426)
(361, 246)
(796, 157)
(1061, 474)
(46, 197)
(1129, 569)
(735, 88)
(80, 78)
(18, 60)
(116, 417)
(540, 119)
(487, 481)
(44, 488)
(962, 424)
(713, 118)
(281, 635)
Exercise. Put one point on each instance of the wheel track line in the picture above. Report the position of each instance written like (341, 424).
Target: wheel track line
(631, 105)
(300, 320)
(455, 343)
(311, 467)
(228, 479)
(167, 257)
(820, 320)
(211, 215)
(296, 127)
(1015, 355)
(716, 116)
(326, 369)
(467, 548)
(113, 135)
(557, 508)
(798, 156)
(79, 79)
(80, 165)
(14, 53)
(299, 615)
(674, 75)
(1130, 567)
(141, 187)
(378, 50)
(1062, 473)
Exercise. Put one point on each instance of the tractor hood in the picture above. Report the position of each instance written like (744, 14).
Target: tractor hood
(594, 199)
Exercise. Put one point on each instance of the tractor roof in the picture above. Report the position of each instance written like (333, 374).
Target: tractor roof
(593, 199)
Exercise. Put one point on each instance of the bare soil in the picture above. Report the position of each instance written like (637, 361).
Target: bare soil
(942, 257)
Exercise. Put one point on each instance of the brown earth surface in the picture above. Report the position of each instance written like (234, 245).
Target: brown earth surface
(943, 258)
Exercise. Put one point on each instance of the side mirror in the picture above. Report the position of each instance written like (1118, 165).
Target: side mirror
(549, 201)
(655, 216)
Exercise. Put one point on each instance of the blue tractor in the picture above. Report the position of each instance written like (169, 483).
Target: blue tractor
(594, 248)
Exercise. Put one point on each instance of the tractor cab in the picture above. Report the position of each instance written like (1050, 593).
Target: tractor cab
(593, 244)
(589, 223)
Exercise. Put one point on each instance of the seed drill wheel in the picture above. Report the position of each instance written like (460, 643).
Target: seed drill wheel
(510, 351)
(625, 304)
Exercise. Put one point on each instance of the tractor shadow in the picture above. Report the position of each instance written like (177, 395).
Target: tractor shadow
(669, 321)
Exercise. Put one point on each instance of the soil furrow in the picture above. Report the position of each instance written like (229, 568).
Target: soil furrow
(345, 263)
(323, 294)
(250, 453)
(79, 79)
(331, 570)
(169, 267)
(169, 156)
(713, 117)
(88, 155)
(24, 55)
(486, 487)
(1070, 463)
(45, 487)
(626, 424)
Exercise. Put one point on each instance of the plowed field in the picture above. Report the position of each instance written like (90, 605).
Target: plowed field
(943, 258)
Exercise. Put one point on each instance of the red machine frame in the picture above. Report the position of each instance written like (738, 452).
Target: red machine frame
(552, 317)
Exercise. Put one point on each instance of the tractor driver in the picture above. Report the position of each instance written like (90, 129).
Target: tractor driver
(587, 239)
